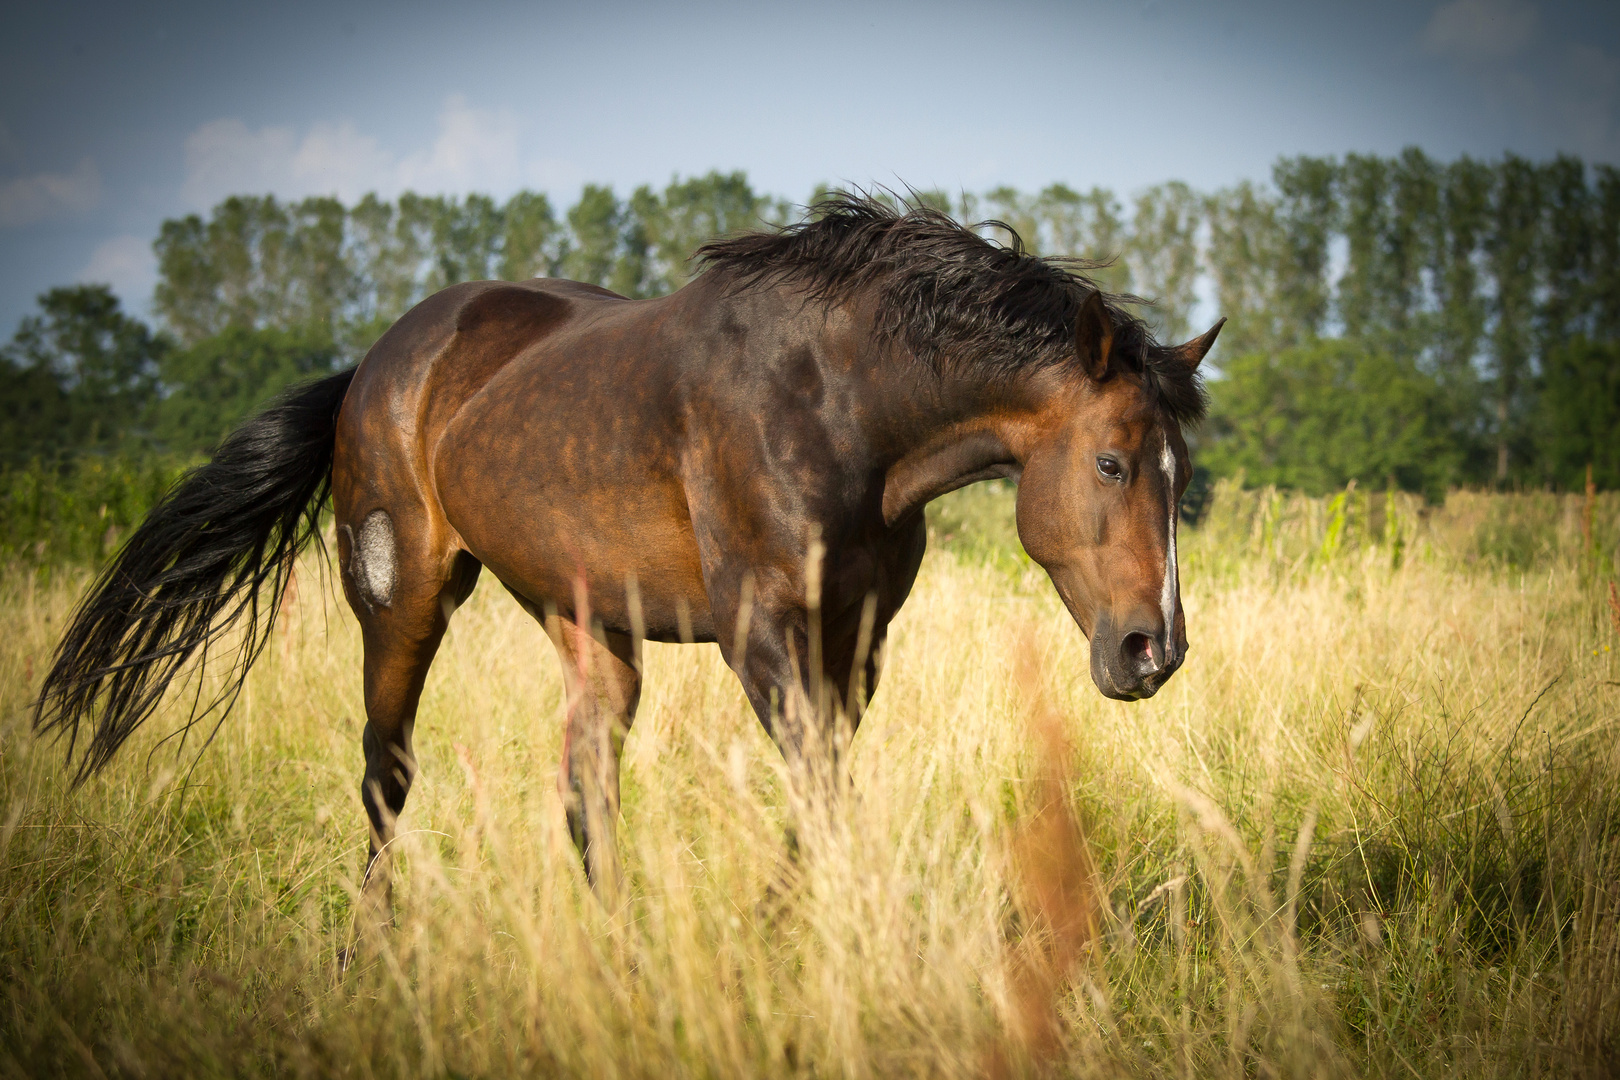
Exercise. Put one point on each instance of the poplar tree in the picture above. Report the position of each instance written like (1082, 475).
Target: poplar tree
(1362, 189)
(1459, 230)
(1606, 254)
(1565, 241)
(593, 225)
(1511, 249)
(1163, 255)
(1245, 250)
(1085, 226)
(531, 239)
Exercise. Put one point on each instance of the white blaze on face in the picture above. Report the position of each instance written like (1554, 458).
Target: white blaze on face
(1167, 597)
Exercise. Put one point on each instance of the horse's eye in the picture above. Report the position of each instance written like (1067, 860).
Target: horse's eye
(1109, 468)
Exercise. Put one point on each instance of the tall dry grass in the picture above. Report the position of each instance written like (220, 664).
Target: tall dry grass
(1373, 827)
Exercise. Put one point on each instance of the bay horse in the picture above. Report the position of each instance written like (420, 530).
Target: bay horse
(745, 461)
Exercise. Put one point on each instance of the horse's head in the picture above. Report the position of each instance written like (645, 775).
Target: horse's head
(1097, 502)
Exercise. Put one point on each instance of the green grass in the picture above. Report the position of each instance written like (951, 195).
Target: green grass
(77, 512)
(1372, 828)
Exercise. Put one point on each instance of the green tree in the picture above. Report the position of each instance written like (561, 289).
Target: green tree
(1060, 221)
(636, 273)
(1579, 413)
(1363, 189)
(1457, 324)
(80, 374)
(1245, 249)
(1566, 242)
(1511, 252)
(217, 383)
(1606, 254)
(530, 246)
(1409, 247)
(1461, 225)
(36, 412)
(1316, 416)
(1307, 217)
(389, 252)
(1391, 211)
(1163, 255)
(192, 274)
(1014, 209)
(937, 199)
(1474, 275)
(256, 262)
(320, 282)
(467, 235)
(657, 234)
(594, 223)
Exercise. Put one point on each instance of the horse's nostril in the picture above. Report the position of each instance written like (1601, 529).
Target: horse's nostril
(1138, 652)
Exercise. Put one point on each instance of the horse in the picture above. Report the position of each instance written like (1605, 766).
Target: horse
(745, 461)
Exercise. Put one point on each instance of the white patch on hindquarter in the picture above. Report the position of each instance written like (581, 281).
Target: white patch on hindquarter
(1167, 597)
(373, 563)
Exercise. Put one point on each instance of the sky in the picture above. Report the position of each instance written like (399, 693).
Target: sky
(114, 117)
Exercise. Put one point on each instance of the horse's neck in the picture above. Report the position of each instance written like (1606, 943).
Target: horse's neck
(931, 433)
(973, 434)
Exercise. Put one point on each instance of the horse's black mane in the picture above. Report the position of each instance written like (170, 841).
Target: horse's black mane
(949, 294)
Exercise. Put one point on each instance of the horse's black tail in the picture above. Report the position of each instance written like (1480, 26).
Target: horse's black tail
(191, 572)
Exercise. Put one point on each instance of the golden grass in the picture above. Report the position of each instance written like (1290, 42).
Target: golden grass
(1373, 827)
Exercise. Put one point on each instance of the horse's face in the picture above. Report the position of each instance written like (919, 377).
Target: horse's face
(1097, 509)
(1097, 504)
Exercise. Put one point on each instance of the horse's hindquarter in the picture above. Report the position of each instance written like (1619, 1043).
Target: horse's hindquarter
(411, 381)
(561, 469)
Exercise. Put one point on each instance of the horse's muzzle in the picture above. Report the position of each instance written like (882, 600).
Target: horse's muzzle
(1131, 662)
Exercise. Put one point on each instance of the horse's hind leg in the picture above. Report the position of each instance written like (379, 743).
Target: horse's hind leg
(604, 687)
(403, 593)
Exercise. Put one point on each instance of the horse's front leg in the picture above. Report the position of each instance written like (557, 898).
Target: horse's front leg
(795, 675)
(810, 669)
(604, 686)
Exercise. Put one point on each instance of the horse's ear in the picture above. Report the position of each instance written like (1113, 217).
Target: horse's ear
(1194, 351)
(1094, 335)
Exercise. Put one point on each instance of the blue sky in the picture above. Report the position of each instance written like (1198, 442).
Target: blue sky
(114, 117)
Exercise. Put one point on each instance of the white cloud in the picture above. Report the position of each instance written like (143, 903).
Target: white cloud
(1479, 30)
(476, 150)
(338, 160)
(225, 157)
(47, 195)
(472, 150)
(128, 264)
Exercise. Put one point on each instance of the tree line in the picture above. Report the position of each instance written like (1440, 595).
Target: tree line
(1392, 319)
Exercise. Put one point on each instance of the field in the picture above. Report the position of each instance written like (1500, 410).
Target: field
(1371, 828)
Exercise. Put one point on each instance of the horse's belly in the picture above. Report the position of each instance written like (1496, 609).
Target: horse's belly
(634, 573)
(568, 509)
